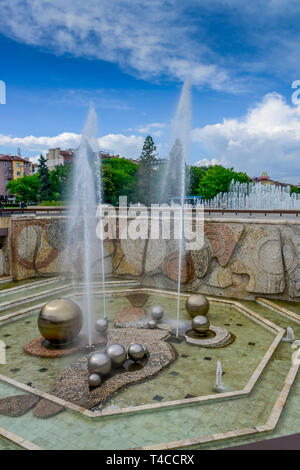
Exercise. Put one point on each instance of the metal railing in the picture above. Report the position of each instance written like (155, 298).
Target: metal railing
(62, 211)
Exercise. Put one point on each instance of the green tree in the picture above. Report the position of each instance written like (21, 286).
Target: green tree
(60, 179)
(25, 188)
(196, 174)
(146, 174)
(45, 185)
(118, 179)
(217, 179)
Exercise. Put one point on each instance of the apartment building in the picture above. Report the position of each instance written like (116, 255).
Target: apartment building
(12, 167)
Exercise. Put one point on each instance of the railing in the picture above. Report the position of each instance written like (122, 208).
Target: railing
(209, 211)
(33, 211)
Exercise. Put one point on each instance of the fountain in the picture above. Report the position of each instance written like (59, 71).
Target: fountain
(174, 180)
(203, 333)
(219, 387)
(255, 196)
(290, 335)
(81, 222)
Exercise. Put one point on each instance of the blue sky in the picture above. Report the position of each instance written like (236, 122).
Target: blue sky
(130, 58)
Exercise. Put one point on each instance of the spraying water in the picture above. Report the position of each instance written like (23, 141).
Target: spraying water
(219, 374)
(255, 196)
(175, 173)
(290, 335)
(81, 222)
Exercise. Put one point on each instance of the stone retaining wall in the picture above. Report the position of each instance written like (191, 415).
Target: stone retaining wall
(241, 258)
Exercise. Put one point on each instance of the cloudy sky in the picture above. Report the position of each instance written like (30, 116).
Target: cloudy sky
(129, 58)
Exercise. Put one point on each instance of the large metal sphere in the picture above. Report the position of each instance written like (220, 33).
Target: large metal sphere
(197, 304)
(151, 324)
(117, 354)
(146, 352)
(94, 380)
(136, 352)
(99, 363)
(60, 321)
(101, 326)
(200, 324)
(157, 312)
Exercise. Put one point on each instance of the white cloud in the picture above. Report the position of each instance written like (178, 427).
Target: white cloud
(212, 162)
(154, 128)
(126, 146)
(266, 139)
(156, 39)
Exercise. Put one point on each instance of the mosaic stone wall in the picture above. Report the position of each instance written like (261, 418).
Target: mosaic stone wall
(241, 259)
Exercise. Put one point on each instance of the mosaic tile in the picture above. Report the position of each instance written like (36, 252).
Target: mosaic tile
(158, 398)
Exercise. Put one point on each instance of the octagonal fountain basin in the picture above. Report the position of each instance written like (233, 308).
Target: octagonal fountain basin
(191, 372)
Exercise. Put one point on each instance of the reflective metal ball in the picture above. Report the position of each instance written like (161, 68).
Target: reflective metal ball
(94, 380)
(200, 324)
(60, 321)
(101, 326)
(136, 352)
(117, 354)
(151, 324)
(157, 312)
(146, 352)
(99, 363)
(197, 304)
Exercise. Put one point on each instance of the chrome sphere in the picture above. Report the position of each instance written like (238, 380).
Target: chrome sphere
(200, 324)
(157, 312)
(101, 326)
(60, 321)
(146, 352)
(197, 304)
(151, 324)
(136, 352)
(117, 354)
(94, 380)
(99, 363)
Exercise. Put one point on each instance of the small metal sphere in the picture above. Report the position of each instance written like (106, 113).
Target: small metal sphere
(197, 304)
(200, 324)
(151, 324)
(146, 352)
(117, 354)
(157, 312)
(136, 352)
(99, 363)
(101, 326)
(94, 380)
(60, 321)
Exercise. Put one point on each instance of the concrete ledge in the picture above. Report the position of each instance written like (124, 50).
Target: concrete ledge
(23, 443)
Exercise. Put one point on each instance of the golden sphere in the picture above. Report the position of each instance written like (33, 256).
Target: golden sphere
(197, 304)
(60, 321)
(200, 324)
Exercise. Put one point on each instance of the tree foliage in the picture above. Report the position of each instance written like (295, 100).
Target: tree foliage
(45, 184)
(217, 179)
(118, 179)
(146, 173)
(25, 188)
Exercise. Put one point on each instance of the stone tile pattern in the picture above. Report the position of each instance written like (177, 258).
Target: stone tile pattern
(239, 258)
(47, 409)
(17, 405)
(37, 348)
(72, 383)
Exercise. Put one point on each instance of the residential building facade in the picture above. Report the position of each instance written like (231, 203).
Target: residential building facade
(12, 167)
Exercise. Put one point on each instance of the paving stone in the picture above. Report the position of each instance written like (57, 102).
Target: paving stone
(17, 405)
(47, 409)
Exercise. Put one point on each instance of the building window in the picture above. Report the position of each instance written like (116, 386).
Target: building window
(18, 165)
(5, 164)
(18, 173)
